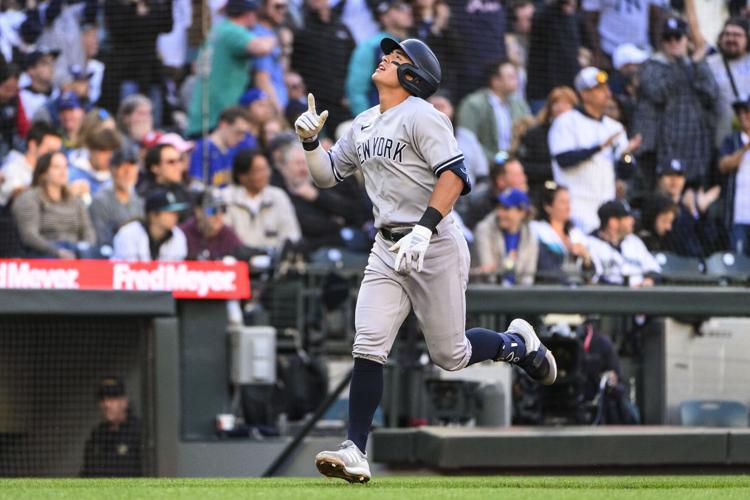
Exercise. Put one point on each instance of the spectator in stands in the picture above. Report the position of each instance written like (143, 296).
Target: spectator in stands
(135, 119)
(165, 171)
(610, 24)
(81, 68)
(474, 158)
(657, 218)
(321, 213)
(50, 220)
(563, 255)
(432, 26)
(616, 262)
(91, 164)
(234, 125)
(323, 32)
(40, 68)
(208, 237)
(505, 172)
(18, 168)
(261, 214)
(533, 150)
(70, 114)
(115, 446)
(173, 48)
(491, 111)
(676, 100)
(585, 146)
(270, 130)
(731, 69)
(260, 109)
(623, 83)
(14, 124)
(157, 237)
(734, 164)
(184, 148)
(522, 13)
(504, 241)
(395, 18)
(480, 28)
(118, 203)
(268, 70)
(134, 66)
(223, 63)
(297, 95)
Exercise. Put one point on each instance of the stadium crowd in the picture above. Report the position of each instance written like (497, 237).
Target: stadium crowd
(595, 133)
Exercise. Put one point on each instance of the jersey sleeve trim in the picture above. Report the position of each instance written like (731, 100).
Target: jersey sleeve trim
(447, 164)
(336, 174)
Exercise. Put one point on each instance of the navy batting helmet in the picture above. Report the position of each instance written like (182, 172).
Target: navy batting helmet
(422, 77)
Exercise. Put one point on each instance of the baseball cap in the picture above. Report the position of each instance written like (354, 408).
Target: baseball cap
(670, 167)
(125, 154)
(627, 53)
(162, 200)
(513, 198)
(674, 26)
(79, 73)
(252, 95)
(69, 100)
(741, 102)
(32, 58)
(590, 77)
(611, 210)
(238, 7)
(382, 6)
(177, 142)
(212, 203)
(110, 387)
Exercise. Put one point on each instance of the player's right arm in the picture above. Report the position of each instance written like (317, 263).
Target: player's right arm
(327, 168)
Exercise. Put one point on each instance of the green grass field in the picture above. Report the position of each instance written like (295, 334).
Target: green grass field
(387, 488)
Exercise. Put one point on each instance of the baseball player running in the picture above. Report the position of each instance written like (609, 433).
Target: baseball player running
(414, 173)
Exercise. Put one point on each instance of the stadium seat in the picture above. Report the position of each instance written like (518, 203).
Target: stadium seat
(729, 266)
(678, 269)
(713, 413)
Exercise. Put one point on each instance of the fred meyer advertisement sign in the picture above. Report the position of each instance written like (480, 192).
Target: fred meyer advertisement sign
(185, 279)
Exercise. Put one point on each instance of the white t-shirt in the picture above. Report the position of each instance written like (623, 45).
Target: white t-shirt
(742, 188)
(591, 182)
(131, 243)
(622, 21)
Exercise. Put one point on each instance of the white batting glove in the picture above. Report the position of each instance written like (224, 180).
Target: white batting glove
(411, 249)
(310, 123)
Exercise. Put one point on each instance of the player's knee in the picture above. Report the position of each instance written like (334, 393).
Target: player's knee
(449, 360)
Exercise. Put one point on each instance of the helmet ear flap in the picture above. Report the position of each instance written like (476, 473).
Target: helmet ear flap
(411, 78)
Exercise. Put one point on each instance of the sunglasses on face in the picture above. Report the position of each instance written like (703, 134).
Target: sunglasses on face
(672, 37)
(279, 6)
(215, 211)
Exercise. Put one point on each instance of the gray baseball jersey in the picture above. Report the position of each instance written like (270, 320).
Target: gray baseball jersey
(401, 153)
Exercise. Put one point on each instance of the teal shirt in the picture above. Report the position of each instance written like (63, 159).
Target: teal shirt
(359, 76)
(225, 59)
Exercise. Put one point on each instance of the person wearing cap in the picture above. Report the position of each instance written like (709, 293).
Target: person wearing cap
(18, 168)
(730, 66)
(586, 145)
(395, 18)
(157, 236)
(208, 237)
(70, 113)
(118, 203)
(40, 68)
(90, 165)
(627, 61)
(223, 63)
(491, 111)
(734, 165)
(617, 262)
(14, 122)
(677, 96)
(260, 110)
(211, 160)
(685, 238)
(609, 25)
(115, 446)
(325, 33)
(504, 241)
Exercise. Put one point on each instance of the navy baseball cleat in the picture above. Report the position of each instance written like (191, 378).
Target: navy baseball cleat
(537, 360)
(346, 463)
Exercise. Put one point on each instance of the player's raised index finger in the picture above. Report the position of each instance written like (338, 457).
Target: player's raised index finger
(311, 102)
